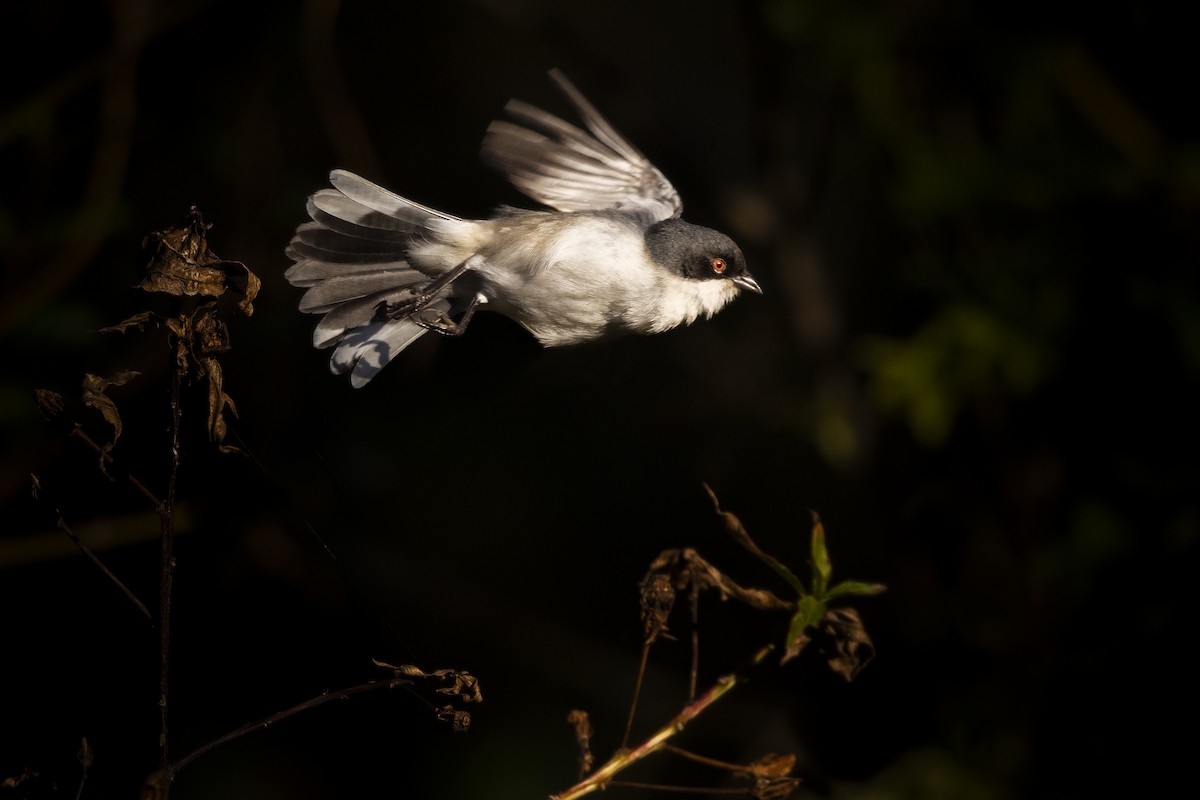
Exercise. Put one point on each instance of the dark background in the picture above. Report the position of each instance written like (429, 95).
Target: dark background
(976, 356)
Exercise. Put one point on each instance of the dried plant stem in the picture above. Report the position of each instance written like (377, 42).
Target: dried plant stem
(662, 787)
(74, 537)
(78, 432)
(637, 691)
(268, 721)
(694, 673)
(626, 758)
(699, 759)
(167, 563)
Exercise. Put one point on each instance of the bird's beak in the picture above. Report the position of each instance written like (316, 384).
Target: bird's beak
(746, 281)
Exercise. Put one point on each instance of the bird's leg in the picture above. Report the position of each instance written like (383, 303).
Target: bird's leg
(435, 319)
(426, 294)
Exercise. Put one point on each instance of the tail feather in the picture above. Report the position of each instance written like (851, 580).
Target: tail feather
(314, 238)
(333, 292)
(368, 349)
(339, 213)
(362, 191)
(311, 271)
(348, 316)
(341, 250)
(351, 259)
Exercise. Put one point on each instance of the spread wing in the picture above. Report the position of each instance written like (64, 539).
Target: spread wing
(569, 169)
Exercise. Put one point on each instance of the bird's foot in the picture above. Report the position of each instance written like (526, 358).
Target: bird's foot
(434, 319)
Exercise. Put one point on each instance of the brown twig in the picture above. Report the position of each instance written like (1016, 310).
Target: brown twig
(664, 787)
(626, 758)
(637, 691)
(279, 716)
(87, 551)
(86, 758)
(78, 432)
(39, 493)
(167, 563)
(699, 759)
(694, 674)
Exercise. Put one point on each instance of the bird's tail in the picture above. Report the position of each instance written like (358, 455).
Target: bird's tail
(352, 261)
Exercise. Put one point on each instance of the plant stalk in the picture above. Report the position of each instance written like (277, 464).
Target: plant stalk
(627, 758)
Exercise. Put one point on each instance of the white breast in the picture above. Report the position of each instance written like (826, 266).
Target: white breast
(571, 278)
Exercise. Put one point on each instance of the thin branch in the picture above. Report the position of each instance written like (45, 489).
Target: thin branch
(637, 691)
(279, 716)
(40, 494)
(86, 758)
(626, 758)
(74, 537)
(78, 432)
(699, 759)
(167, 563)
(664, 787)
(694, 674)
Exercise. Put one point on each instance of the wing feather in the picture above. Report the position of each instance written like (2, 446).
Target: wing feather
(570, 169)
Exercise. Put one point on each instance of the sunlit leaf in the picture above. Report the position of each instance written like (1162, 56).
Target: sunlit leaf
(855, 588)
(809, 611)
(822, 568)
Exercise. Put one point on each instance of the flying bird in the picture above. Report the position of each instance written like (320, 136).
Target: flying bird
(612, 257)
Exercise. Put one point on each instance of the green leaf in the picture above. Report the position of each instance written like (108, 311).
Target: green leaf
(855, 588)
(822, 567)
(809, 611)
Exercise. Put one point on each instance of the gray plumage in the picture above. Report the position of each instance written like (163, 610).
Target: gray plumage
(613, 257)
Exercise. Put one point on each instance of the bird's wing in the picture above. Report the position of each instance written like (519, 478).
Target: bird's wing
(568, 168)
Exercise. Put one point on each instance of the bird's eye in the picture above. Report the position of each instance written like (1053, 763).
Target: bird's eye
(718, 265)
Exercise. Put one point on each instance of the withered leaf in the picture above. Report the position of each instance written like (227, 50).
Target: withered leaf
(218, 401)
(13, 781)
(94, 388)
(773, 777)
(180, 326)
(851, 648)
(463, 684)
(460, 721)
(734, 527)
(212, 334)
(657, 600)
(48, 402)
(581, 724)
(407, 670)
(180, 263)
(136, 321)
(773, 766)
(774, 788)
(688, 568)
(156, 785)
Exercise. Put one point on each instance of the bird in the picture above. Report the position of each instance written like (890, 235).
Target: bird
(609, 255)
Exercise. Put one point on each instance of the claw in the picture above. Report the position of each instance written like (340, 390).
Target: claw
(438, 321)
(427, 294)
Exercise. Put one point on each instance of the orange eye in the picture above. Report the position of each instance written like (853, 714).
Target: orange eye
(718, 265)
